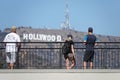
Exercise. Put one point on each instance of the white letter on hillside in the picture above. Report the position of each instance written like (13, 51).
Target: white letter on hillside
(59, 38)
(25, 36)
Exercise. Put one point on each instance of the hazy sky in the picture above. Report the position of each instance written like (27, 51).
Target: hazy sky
(102, 15)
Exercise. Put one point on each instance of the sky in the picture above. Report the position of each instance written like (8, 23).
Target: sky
(102, 15)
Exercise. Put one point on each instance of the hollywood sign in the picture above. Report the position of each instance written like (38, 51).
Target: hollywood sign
(42, 37)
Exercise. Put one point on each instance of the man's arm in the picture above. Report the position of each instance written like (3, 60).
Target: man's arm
(85, 39)
(96, 42)
(73, 51)
(18, 43)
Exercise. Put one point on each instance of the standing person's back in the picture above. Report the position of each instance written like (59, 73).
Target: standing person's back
(89, 41)
(69, 53)
(11, 40)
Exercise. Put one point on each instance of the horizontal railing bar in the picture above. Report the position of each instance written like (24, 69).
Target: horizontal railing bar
(61, 48)
(56, 42)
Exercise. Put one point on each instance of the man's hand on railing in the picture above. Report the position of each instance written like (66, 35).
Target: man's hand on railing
(96, 44)
(74, 55)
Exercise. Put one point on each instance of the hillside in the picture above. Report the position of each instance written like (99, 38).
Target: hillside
(77, 35)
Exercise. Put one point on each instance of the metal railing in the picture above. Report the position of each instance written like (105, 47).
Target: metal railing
(48, 55)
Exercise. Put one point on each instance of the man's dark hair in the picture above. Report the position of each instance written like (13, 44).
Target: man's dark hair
(70, 36)
(90, 29)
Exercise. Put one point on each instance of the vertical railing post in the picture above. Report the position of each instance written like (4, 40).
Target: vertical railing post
(105, 57)
(17, 60)
(60, 54)
(17, 57)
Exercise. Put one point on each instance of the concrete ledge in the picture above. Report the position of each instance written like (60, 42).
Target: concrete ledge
(60, 74)
(60, 71)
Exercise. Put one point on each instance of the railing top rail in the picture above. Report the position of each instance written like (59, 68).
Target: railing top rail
(60, 48)
(56, 42)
